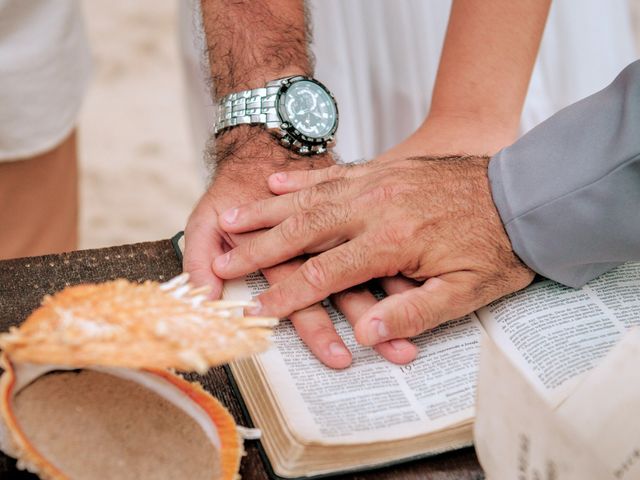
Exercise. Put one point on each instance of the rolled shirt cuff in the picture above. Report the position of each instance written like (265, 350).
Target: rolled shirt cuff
(568, 192)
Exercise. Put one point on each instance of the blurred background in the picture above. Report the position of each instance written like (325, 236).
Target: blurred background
(140, 173)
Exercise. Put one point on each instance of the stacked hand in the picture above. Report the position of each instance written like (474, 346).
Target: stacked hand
(430, 220)
(245, 160)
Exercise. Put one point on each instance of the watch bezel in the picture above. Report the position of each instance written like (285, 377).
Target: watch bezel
(286, 125)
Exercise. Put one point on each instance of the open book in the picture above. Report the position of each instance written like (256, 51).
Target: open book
(316, 420)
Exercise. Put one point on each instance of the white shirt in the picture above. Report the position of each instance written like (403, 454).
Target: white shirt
(44, 70)
(380, 59)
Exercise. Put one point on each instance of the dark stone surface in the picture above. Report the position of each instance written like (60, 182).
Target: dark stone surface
(23, 283)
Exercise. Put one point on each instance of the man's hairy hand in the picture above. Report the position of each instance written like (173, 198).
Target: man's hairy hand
(246, 156)
(430, 219)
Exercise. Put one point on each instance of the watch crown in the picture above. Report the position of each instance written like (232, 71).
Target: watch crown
(321, 149)
(286, 140)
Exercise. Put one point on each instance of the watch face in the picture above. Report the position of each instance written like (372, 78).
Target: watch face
(309, 109)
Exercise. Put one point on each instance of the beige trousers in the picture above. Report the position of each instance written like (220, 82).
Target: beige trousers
(39, 203)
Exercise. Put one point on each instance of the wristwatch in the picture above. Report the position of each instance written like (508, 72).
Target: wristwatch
(298, 110)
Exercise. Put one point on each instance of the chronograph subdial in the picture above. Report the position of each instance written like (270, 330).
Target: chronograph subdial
(309, 109)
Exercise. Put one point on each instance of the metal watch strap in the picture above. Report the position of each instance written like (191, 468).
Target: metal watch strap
(250, 106)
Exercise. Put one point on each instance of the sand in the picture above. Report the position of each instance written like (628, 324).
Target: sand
(139, 172)
(104, 436)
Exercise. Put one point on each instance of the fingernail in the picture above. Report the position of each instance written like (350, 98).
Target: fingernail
(280, 177)
(400, 344)
(377, 331)
(256, 309)
(223, 260)
(230, 216)
(337, 350)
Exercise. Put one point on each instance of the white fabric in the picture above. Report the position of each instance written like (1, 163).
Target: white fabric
(200, 108)
(586, 44)
(380, 58)
(44, 70)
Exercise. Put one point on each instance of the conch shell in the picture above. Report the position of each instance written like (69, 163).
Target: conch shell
(89, 390)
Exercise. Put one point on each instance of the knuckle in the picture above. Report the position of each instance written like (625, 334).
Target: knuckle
(316, 220)
(470, 294)
(280, 296)
(314, 273)
(302, 199)
(394, 237)
(380, 254)
(416, 316)
(386, 193)
(349, 259)
(276, 295)
(341, 213)
(331, 188)
(309, 223)
(320, 219)
(382, 193)
(293, 228)
(249, 251)
(335, 171)
(322, 192)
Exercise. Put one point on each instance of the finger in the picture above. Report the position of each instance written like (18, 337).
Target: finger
(286, 182)
(272, 211)
(257, 215)
(353, 303)
(313, 324)
(335, 270)
(307, 232)
(398, 284)
(410, 313)
(203, 243)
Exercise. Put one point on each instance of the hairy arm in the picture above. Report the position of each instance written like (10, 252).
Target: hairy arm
(250, 43)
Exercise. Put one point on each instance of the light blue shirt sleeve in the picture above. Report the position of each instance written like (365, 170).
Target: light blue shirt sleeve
(568, 192)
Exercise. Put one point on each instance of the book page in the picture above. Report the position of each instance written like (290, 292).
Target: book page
(373, 400)
(603, 410)
(556, 334)
(519, 436)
